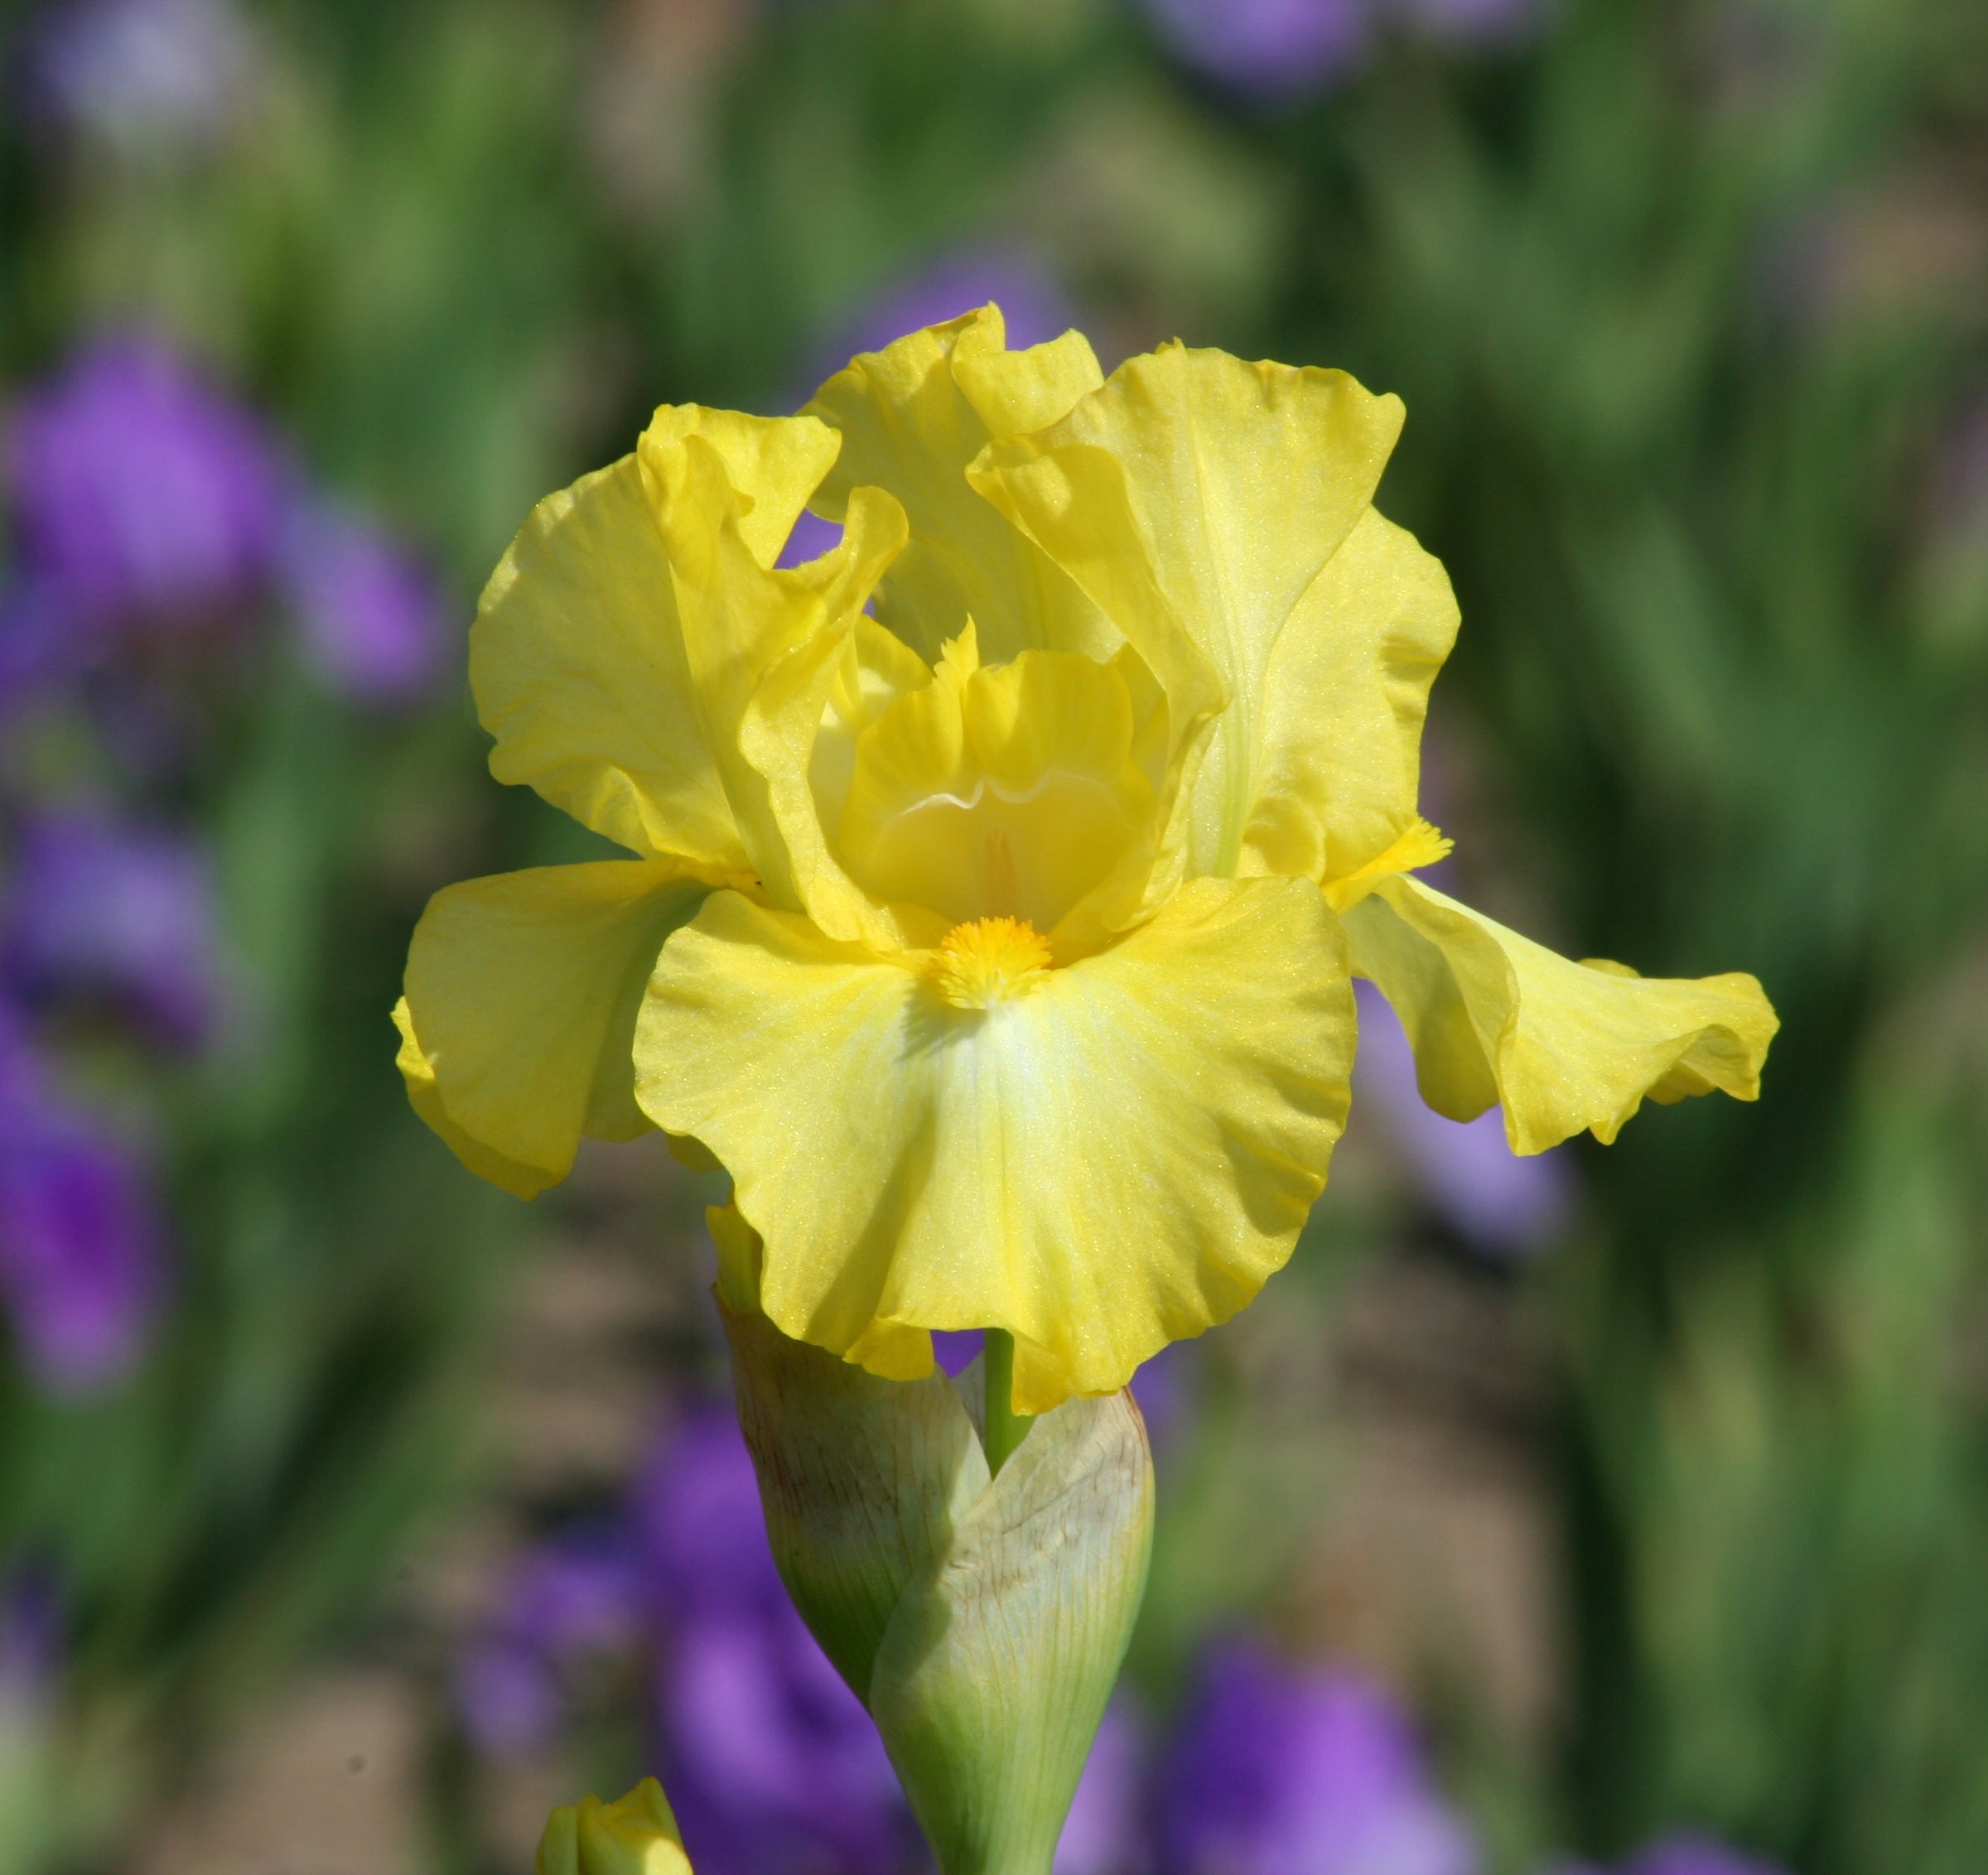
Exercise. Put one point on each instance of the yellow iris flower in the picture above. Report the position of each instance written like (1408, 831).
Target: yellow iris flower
(1002, 873)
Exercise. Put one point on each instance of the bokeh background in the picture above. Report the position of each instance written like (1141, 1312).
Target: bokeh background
(1620, 1510)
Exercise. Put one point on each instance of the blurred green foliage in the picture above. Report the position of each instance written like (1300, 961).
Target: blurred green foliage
(1687, 301)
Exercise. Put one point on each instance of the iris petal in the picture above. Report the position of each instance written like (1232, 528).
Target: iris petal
(1336, 765)
(577, 659)
(1119, 1158)
(522, 992)
(1195, 499)
(1004, 792)
(1564, 1046)
(751, 634)
(912, 416)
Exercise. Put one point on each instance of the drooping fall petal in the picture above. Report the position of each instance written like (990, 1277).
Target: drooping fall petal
(518, 1022)
(1564, 1046)
(417, 1073)
(1116, 1159)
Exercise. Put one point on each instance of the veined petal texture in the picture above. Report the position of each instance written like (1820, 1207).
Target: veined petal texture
(1116, 1160)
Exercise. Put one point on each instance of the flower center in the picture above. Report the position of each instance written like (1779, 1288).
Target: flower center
(1006, 791)
(989, 961)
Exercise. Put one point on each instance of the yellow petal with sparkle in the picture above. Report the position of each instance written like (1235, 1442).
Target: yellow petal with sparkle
(522, 991)
(636, 1834)
(1113, 1160)
(576, 657)
(1196, 499)
(912, 416)
(1421, 845)
(1495, 1018)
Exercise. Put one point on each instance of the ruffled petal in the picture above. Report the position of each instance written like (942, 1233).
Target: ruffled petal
(578, 659)
(522, 992)
(912, 416)
(1114, 1161)
(1196, 499)
(1494, 1017)
(765, 648)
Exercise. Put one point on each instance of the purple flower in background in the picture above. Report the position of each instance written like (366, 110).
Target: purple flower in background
(956, 1349)
(769, 1760)
(30, 1652)
(1280, 1771)
(121, 914)
(1164, 1388)
(38, 643)
(1031, 303)
(1102, 1834)
(578, 1593)
(1274, 50)
(81, 1262)
(31, 1627)
(370, 616)
(1159, 1386)
(141, 74)
(1696, 1855)
(1266, 48)
(142, 494)
(1497, 1201)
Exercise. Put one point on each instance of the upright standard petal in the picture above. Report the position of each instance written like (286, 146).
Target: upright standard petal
(1115, 1156)
(1196, 499)
(578, 659)
(522, 992)
(1495, 1018)
(911, 418)
(1336, 766)
(764, 647)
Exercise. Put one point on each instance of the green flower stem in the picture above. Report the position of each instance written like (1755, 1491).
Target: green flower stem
(1007, 1429)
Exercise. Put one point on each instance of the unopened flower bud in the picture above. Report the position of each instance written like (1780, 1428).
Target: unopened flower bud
(981, 1618)
(636, 1836)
